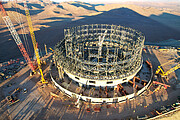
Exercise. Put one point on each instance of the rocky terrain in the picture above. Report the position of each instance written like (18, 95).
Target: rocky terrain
(49, 19)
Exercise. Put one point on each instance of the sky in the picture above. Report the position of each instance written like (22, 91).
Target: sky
(114, 1)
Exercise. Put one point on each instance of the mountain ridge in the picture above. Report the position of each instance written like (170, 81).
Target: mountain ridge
(49, 20)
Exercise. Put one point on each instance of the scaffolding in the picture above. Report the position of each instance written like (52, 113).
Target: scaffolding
(100, 51)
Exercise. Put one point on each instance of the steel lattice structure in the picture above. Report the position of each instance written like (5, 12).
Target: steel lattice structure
(16, 37)
(100, 51)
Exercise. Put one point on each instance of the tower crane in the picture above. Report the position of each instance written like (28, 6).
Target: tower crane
(101, 40)
(34, 41)
(16, 37)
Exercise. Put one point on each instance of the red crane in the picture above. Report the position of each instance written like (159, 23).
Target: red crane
(16, 37)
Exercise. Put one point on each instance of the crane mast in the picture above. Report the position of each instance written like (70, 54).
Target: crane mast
(34, 41)
(45, 49)
(16, 37)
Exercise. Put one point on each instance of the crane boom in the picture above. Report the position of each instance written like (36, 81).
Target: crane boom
(163, 73)
(16, 37)
(34, 41)
(172, 69)
(51, 49)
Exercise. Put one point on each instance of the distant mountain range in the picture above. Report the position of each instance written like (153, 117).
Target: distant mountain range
(50, 18)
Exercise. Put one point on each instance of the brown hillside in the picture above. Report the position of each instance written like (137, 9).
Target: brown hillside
(49, 19)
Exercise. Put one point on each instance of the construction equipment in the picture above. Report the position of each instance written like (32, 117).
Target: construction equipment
(149, 63)
(16, 37)
(45, 49)
(158, 83)
(51, 49)
(161, 72)
(12, 100)
(34, 41)
(178, 49)
(13, 97)
(54, 95)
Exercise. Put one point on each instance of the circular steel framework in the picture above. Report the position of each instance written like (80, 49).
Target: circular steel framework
(100, 52)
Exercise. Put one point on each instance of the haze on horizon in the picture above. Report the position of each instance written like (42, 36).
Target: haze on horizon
(110, 1)
(116, 1)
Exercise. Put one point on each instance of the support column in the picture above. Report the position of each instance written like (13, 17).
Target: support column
(61, 72)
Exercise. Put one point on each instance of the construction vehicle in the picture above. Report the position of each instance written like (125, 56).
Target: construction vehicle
(24, 90)
(16, 37)
(161, 72)
(34, 42)
(13, 98)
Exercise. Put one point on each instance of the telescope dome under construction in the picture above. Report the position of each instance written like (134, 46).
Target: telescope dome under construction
(100, 54)
(101, 63)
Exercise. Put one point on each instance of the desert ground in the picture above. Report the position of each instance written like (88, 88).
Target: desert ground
(38, 103)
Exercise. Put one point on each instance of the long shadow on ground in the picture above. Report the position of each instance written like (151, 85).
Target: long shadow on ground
(153, 30)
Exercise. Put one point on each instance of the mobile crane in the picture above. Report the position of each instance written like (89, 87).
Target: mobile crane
(161, 72)
(34, 41)
(16, 37)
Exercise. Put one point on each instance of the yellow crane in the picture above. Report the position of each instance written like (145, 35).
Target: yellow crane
(178, 50)
(34, 41)
(161, 72)
(51, 49)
